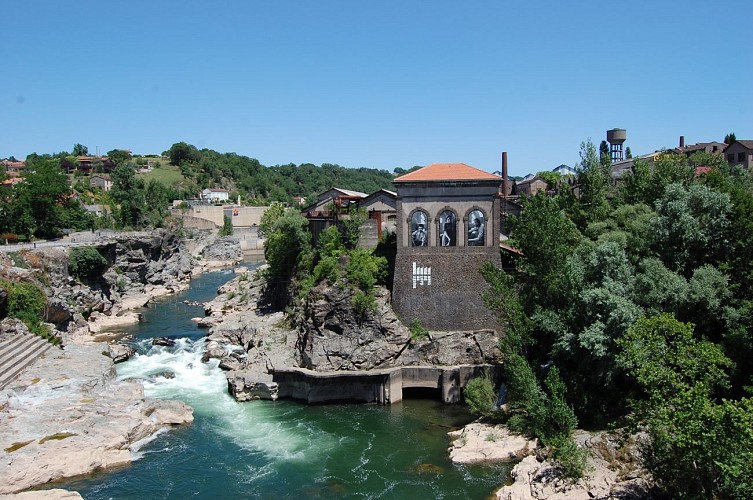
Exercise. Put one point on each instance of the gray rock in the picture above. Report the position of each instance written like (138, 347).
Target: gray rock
(226, 249)
(120, 352)
(251, 385)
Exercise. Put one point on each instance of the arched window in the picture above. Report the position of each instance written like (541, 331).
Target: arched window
(476, 228)
(447, 229)
(419, 229)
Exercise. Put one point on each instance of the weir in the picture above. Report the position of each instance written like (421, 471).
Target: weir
(378, 386)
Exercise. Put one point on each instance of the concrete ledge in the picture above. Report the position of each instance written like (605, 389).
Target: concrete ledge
(383, 386)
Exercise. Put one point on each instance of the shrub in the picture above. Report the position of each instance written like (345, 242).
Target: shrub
(86, 262)
(363, 303)
(480, 396)
(365, 269)
(417, 331)
(227, 227)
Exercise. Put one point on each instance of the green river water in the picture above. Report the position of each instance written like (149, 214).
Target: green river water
(280, 449)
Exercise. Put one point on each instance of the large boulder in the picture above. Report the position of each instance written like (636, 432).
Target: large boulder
(251, 384)
(225, 249)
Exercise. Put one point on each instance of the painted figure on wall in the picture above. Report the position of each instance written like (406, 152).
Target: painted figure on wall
(419, 237)
(447, 229)
(476, 228)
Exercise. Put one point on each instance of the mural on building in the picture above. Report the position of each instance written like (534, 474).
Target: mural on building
(418, 225)
(476, 228)
(447, 229)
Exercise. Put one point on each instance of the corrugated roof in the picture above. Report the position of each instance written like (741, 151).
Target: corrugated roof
(447, 172)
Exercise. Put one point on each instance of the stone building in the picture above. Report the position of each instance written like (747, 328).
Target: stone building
(448, 220)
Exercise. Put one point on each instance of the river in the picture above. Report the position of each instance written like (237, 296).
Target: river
(280, 449)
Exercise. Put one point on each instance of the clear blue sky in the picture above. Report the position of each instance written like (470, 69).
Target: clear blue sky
(379, 84)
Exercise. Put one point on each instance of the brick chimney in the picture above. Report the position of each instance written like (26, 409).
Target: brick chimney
(506, 187)
(682, 142)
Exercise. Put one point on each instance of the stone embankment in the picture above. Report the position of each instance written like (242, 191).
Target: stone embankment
(67, 415)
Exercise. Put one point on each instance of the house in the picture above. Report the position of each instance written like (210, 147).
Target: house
(333, 197)
(299, 200)
(14, 166)
(706, 147)
(101, 181)
(740, 153)
(381, 206)
(564, 170)
(530, 186)
(448, 220)
(214, 195)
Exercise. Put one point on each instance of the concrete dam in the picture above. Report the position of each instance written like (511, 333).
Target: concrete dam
(378, 386)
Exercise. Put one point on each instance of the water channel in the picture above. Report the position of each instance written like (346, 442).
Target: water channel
(280, 449)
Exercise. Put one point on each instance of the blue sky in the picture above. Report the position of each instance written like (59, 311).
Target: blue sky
(380, 84)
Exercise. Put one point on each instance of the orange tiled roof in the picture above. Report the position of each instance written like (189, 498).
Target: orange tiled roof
(448, 172)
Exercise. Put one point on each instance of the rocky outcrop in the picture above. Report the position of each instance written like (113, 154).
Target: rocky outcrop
(613, 471)
(478, 442)
(222, 252)
(251, 340)
(333, 336)
(68, 416)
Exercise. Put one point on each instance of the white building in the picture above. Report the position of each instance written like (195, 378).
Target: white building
(214, 195)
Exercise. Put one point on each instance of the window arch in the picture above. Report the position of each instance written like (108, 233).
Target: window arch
(447, 228)
(476, 227)
(418, 227)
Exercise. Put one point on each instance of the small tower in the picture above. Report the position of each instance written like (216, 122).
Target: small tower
(616, 137)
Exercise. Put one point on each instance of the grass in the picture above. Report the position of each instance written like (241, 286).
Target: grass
(167, 175)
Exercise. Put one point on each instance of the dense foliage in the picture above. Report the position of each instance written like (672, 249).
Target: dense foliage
(26, 302)
(638, 294)
(55, 188)
(85, 262)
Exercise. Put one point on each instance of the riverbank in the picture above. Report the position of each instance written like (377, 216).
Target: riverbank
(67, 415)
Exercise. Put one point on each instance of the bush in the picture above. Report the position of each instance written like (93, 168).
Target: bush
(363, 303)
(85, 262)
(480, 396)
(365, 270)
(417, 332)
(227, 227)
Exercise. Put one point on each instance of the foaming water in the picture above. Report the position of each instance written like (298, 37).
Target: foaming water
(177, 372)
(275, 449)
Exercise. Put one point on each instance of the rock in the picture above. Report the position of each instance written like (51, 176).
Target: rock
(214, 350)
(69, 416)
(250, 385)
(165, 374)
(13, 326)
(607, 476)
(54, 494)
(58, 313)
(226, 249)
(120, 352)
(163, 341)
(478, 442)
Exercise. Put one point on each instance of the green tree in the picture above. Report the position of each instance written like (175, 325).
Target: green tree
(180, 153)
(699, 448)
(128, 192)
(286, 241)
(628, 153)
(690, 227)
(605, 156)
(119, 157)
(730, 138)
(40, 199)
(227, 226)
(80, 150)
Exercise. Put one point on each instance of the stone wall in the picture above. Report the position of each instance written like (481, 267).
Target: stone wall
(441, 287)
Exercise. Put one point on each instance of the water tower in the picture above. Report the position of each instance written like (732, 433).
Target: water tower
(616, 137)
